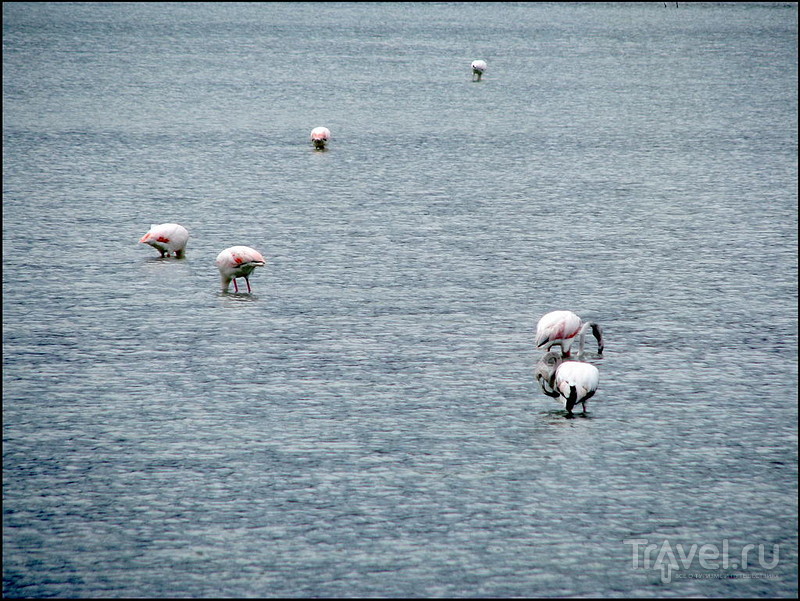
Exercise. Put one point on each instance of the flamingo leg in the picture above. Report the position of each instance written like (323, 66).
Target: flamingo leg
(247, 281)
(235, 285)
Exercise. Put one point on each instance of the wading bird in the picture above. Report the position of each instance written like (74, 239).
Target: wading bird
(561, 328)
(238, 262)
(573, 381)
(478, 67)
(320, 137)
(167, 238)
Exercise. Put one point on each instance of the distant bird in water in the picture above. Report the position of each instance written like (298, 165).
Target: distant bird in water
(320, 137)
(572, 381)
(238, 262)
(561, 328)
(167, 238)
(478, 67)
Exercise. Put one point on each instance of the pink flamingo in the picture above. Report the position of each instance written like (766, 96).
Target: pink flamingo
(573, 381)
(320, 137)
(561, 328)
(238, 262)
(478, 67)
(167, 238)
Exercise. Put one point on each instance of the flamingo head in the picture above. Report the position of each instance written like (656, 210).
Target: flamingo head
(598, 334)
(545, 372)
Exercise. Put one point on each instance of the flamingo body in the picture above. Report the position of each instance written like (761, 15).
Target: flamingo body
(478, 67)
(167, 238)
(576, 382)
(238, 262)
(320, 137)
(573, 382)
(561, 328)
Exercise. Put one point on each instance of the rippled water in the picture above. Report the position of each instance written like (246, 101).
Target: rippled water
(366, 423)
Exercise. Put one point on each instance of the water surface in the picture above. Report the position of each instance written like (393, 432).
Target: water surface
(366, 422)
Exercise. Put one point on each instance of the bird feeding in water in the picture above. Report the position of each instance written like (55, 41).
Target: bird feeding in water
(320, 137)
(478, 67)
(573, 382)
(238, 262)
(561, 328)
(167, 238)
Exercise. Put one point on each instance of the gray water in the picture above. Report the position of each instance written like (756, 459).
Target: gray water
(366, 422)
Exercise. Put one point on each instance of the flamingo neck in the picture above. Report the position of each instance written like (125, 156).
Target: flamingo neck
(597, 332)
(546, 372)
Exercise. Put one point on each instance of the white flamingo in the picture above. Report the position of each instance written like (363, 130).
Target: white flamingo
(167, 238)
(561, 328)
(572, 381)
(238, 262)
(478, 67)
(320, 137)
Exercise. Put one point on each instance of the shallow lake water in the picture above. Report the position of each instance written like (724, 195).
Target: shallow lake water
(366, 422)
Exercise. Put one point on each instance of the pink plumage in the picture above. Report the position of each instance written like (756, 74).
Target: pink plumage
(167, 238)
(238, 262)
(561, 327)
(320, 136)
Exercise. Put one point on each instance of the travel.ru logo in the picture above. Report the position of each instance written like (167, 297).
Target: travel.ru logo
(667, 557)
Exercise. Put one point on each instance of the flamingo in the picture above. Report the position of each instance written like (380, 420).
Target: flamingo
(573, 381)
(561, 328)
(238, 262)
(478, 67)
(167, 238)
(320, 137)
